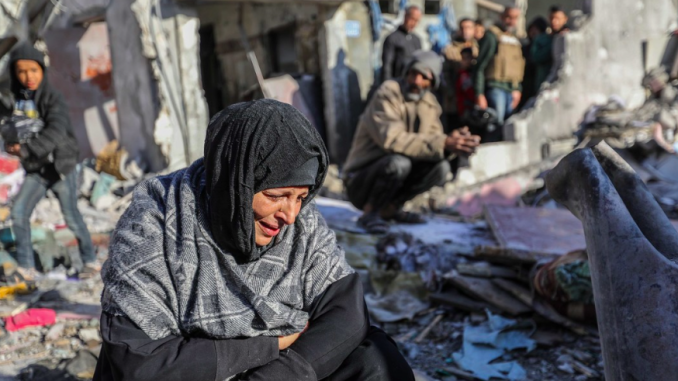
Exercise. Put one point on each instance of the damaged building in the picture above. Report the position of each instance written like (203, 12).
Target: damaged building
(149, 74)
(129, 72)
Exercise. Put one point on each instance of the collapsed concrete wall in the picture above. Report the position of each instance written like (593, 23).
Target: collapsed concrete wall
(161, 107)
(297, 26)
(80, 67)
(330, 41)
(603, 58)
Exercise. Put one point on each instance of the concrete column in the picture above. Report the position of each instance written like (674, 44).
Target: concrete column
(135, 89)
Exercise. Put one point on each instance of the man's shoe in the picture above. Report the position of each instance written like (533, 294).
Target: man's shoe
(373, 224)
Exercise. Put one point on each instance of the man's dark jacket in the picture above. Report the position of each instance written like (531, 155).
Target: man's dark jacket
(397, 52)
(57, 137)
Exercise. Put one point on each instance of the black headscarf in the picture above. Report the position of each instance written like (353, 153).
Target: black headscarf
(251, 147)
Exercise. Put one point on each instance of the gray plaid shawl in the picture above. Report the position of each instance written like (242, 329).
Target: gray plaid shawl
(166, 273)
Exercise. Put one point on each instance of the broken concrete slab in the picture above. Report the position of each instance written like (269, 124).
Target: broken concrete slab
(487, 291)
(83, 365)
(541, 231)
(89, 334)
(55, 332)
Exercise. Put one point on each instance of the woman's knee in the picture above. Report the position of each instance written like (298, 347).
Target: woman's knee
(382, 360)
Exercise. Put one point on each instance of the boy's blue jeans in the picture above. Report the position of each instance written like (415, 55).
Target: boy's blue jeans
(34, 188)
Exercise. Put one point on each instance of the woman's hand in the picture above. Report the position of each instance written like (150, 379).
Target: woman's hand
(284, 342)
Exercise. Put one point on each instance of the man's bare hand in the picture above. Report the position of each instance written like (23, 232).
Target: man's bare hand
(481, 101)
(516, 96)
(284, 342)
(13, 149)
(462, 142)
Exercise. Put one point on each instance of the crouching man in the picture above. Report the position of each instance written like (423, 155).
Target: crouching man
(399, 149)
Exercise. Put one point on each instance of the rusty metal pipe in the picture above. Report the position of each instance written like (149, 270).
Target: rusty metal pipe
(630, 244)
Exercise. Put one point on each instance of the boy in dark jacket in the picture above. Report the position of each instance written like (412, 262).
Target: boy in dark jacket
(49, 159)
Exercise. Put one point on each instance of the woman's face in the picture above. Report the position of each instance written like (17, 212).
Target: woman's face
(275, 208)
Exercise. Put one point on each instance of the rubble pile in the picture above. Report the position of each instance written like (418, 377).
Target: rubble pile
(50, 327)
(50, 330)
(505, 297)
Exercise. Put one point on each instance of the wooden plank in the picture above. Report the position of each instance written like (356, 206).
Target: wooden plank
(518, 290)
(487, 291)
(486, 270)
(497, 254)
(455, 299)
(546, 310)
(428, 329)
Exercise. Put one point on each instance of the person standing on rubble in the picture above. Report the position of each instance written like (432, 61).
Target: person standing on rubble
(399, 149)
(452, 68)
(558, 21)
(399, 45)
(49, 159)
(500, 65)
(226, 271)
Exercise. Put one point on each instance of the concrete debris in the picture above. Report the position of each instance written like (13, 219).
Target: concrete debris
(394, 307)
(89, 334)
(55, 332)
(395, 267)
(550, 233)
(83, 365)
(403, 252)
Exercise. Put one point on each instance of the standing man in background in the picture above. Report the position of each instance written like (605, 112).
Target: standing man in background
(399, 46)
(558, 20)
(451, 68)
(500, 66)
